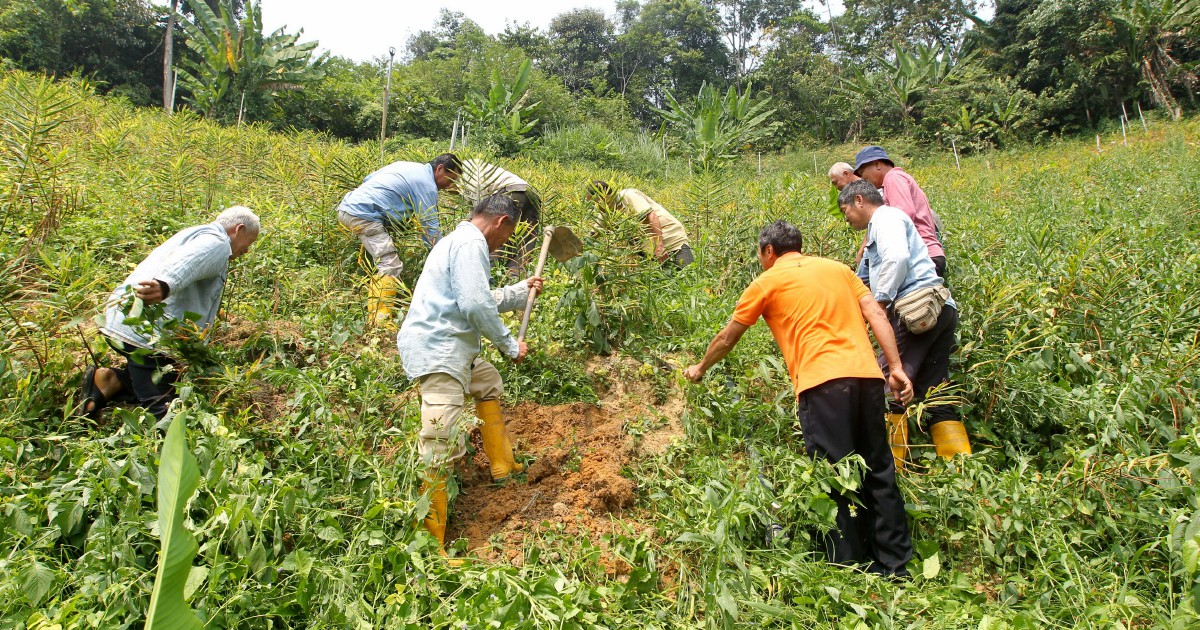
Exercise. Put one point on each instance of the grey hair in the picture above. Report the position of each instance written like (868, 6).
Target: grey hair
(496, 205)
(234, 216)
(783, 237)
(863, 188)
(839, 168)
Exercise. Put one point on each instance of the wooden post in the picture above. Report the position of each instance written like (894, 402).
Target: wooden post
(1142, 117)
(760, 163)
(387, 95)
(1097, 143)
(816, 170)
(1124, 112)
(954, 147)
(1124, 139)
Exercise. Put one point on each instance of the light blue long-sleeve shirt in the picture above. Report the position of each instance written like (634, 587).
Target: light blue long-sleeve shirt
(453, 308)
(394, 194)
(193, 263)
(896, 261)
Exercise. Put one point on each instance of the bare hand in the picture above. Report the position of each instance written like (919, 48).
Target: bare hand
(902, 388)
(694, 373)
(522, 350)
(149, 292)
(535, 284)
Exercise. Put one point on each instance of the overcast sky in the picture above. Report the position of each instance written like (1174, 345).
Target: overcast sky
(364, 29)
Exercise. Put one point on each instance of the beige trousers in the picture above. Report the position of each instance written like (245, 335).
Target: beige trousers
(376, 240)
(443, 436)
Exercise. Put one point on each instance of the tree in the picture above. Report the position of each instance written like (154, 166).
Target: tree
(678, 49)
(869, 26)
(109, 40)
(529, 39)
(748, 27)
(236, 61)
(1155, 33)
(169, 59)
(580, 43)
(451, 31)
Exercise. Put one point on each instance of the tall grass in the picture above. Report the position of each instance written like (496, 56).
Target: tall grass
(1078, 362)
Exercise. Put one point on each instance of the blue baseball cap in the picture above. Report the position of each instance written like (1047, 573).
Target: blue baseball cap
(873, 153)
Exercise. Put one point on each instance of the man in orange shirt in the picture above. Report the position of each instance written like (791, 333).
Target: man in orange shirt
(815, 308)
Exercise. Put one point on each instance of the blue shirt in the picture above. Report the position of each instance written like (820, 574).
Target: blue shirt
(396, 193)
(896, 261)
(452, 308)
(193, 263)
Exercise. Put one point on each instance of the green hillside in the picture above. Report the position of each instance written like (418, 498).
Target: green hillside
(1074, 265)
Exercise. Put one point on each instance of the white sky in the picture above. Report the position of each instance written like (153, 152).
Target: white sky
(364, 29)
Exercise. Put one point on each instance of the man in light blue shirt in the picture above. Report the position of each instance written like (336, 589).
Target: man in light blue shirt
(395, 196)
(452, 309)
(186, 275)
(895, 264)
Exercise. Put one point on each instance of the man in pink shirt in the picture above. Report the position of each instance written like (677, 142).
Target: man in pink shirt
(901, 191)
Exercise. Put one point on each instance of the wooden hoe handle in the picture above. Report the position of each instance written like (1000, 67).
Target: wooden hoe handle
(533, 294)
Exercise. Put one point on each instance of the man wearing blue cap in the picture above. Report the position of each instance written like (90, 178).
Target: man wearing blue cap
(901, 191)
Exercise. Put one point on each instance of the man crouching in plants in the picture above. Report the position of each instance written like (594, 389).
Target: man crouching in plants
(186, 275)
(667, 235)
(439, 342)
(815, 309)
(903, 278)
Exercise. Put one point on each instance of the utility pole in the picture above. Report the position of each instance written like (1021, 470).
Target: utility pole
(387, 94)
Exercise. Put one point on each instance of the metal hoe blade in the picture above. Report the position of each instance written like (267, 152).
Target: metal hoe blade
(564, 245)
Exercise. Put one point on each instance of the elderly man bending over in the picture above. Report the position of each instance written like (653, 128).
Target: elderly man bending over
(452, 309)
(187, 275)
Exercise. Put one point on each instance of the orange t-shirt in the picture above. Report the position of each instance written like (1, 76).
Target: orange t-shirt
(812, 306)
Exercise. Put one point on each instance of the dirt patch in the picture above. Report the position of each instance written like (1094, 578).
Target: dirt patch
(575, 482)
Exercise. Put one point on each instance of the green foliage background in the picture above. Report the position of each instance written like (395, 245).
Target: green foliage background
(1075, 271)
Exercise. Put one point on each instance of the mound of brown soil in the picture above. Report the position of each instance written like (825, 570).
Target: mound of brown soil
(575, 482)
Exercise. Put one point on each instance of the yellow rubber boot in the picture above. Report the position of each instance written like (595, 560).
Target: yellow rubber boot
(898, 438)
(381, 294)
(950, 438)
(496, 444)
(435, 521)
(439, 512)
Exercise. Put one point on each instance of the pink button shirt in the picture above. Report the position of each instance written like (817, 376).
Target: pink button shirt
(901, 191)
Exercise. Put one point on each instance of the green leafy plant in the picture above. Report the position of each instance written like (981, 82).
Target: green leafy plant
(504, 113)
(178, 478)
(714, 128)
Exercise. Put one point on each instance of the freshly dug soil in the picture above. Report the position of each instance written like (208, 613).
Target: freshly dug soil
(574, 483)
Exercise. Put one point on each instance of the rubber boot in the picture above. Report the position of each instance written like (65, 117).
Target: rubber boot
(381, 293)
(950, 438)
(435, 521)
(496, 444)
(898, 438)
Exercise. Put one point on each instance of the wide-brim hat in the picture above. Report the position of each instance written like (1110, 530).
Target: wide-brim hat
(873, 153)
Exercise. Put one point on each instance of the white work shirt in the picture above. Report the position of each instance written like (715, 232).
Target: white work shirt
(453, 308)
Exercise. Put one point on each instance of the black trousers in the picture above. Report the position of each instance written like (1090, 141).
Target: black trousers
(939, 266)
(681, 258)
(926, 359)
(845, 416)
(148, 381)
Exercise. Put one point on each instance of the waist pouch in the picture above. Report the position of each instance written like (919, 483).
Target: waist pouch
(920, 309)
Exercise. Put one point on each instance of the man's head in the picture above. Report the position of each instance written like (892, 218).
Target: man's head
(601, 193)
(446, 169)
(858, 201)
(841, 174)
(872, 163)
(777, 239)
(496, 216)
(242, 226)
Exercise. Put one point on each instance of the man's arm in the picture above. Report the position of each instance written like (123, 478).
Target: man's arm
(201, 257)
(431, 230)
(887, 278)
(469, 281)
(877, 319)
(656, 235)
(717, 349)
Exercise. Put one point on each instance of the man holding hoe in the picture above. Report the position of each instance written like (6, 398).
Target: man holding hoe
(439, 343)
(815, 309)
